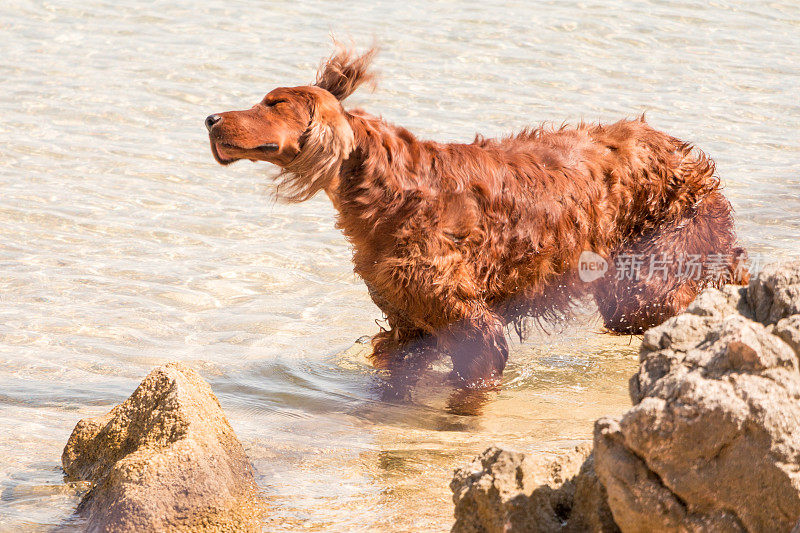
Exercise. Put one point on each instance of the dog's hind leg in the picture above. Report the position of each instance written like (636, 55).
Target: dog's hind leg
(658, 275)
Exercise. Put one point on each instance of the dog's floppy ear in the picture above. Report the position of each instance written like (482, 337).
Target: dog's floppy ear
(345, 71)
(326, 144)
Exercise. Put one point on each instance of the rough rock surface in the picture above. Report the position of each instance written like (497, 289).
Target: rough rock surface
(166, 459)
(508, 491)
(713, 440)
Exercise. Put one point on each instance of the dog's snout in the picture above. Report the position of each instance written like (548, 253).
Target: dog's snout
(211, 120)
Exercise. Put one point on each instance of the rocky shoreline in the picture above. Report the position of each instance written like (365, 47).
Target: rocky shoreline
(712, 442)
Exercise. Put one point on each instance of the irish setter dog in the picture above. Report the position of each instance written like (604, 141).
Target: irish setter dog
(458, 241)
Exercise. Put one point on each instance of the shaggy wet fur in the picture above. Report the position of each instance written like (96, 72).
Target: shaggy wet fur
(457, 241)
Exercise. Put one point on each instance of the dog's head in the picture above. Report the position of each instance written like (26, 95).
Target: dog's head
(304, 130)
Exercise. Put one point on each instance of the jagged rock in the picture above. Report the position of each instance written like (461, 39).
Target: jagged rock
(590, 511)
(727, 301)
(788, 329)
(644, 504)
(166, 459)
(775, 293)
(505, 491)
(713, 440)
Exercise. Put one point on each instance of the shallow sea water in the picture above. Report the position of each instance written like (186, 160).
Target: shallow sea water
(123, 245)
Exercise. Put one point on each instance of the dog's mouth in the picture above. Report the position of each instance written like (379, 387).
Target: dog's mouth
(226, 153)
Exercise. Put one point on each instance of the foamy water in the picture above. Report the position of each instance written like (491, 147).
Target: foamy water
(123, 245)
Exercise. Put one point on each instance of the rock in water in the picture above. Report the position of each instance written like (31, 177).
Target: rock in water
(713, 440)
(166, 459)
(508, 491)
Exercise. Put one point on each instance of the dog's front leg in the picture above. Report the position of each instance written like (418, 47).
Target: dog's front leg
(478, 348)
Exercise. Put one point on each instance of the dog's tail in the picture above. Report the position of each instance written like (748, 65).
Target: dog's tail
(690, 178)
(666, 178)
(696, 194)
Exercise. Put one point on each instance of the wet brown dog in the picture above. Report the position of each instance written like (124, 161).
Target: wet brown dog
(457, 241)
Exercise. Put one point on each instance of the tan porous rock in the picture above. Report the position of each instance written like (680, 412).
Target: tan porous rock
(504, 491)
(775, 292)
(713, 440)
(166, 459)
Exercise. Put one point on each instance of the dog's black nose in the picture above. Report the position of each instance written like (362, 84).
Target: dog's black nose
(211, 120)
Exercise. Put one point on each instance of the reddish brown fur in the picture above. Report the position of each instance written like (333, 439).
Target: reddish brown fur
(456, 241)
